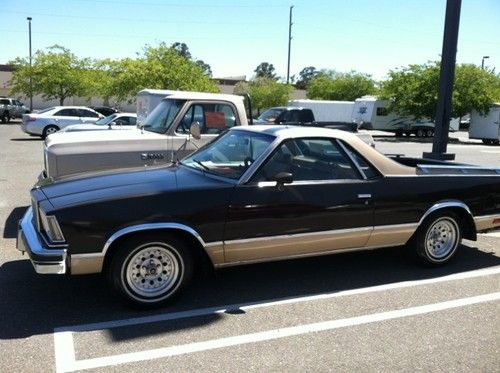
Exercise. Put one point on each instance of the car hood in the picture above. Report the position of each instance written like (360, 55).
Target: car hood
(90, 137)
(120, 185)
(94, 127)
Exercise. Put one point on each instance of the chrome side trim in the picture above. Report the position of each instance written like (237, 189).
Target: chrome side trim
(486, 222)
(150, 226)
(445, 204)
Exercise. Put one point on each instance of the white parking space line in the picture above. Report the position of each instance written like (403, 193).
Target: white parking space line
(271, 334)
(493, 234)
(64, 345)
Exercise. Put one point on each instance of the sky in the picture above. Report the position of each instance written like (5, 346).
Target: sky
(234, 36)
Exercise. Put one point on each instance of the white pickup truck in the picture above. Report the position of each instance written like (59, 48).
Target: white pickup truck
(164, 136)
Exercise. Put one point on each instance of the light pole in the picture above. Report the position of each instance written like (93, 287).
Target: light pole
(31, 72)
(289, 45)
(482, 61)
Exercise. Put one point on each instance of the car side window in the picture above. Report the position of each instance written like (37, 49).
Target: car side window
(132, 121)
(67, 113)
(87, 113)
(317, 159)
(213, 118)
(369, 171)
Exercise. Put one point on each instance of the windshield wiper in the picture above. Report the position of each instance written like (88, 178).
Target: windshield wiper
(201, 164)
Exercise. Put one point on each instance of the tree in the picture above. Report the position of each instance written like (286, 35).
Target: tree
(332, 85)
(56, 74)
(265, 92)
(159, 67)
(265, 70)
(413, 90)
(183, 50)
(305, 76)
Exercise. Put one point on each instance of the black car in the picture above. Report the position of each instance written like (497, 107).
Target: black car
(105, 110)
(254, 194)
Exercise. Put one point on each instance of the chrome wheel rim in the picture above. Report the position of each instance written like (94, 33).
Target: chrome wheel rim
(153, 270)
(50, 130)
(441, 238)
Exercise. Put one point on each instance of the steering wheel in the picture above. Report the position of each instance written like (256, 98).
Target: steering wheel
(248, 161)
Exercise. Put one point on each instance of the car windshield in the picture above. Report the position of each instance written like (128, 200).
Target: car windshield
(161, 118)
(231, 154)
(106, 120)
(270, 114)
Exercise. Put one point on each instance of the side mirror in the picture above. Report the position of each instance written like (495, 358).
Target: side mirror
(111, 124)
(283, 178)
(195, 130)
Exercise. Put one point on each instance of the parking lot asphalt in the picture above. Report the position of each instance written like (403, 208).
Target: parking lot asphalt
(365, 311)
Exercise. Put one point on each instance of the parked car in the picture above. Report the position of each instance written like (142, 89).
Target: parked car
(269, 116)
(51, 120)
(122, 121)
(11, 108)
(254, 194)
(105, 110)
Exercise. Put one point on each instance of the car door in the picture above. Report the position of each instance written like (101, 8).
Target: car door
(327, 207)
(66, 117)
(87, 116)
(213, 118)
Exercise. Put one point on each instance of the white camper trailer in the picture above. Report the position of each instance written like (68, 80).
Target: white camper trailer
(327, 111)
(486, 128)
(148, 99)
(371, 113)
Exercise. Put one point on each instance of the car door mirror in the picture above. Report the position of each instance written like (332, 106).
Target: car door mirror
(111, 124)
(195, 131)
(283, 178)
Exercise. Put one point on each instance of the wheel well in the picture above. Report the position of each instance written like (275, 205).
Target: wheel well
(200, 256)
(466, 222)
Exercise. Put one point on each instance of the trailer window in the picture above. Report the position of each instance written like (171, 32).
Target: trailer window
(382, 112)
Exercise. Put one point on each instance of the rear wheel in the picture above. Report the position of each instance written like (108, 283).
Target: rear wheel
(49, 130)
(150, 270)
(430, 133)
(420, 133)
(437, 239)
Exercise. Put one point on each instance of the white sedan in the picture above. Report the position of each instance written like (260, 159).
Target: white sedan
(121, 121)
(55, 118)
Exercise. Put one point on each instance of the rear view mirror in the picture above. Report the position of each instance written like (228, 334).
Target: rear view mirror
(195, 130)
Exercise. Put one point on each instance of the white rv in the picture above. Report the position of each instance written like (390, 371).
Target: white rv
(148, 99)
(486, 128)
(371, 113)
(327, 111)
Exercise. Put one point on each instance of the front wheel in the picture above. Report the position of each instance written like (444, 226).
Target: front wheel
(437, 239)
(150, 270)
(5, 117)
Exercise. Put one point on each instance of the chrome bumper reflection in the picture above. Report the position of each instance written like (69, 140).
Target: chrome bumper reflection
(45, 260)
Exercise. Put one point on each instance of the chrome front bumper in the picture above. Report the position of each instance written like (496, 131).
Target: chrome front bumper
(45, 260)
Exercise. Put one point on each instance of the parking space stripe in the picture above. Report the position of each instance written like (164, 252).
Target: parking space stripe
(274, 334)
(275, 302)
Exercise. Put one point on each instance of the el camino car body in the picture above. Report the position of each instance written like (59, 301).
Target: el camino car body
(254, 194)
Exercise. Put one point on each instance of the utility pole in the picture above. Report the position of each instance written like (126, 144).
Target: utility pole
(289, 45)
(446, 76)
(482, 61)
(31, 70)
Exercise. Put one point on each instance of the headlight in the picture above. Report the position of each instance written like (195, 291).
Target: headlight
(51, 227)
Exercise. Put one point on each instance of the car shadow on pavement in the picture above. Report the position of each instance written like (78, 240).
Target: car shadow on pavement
(27, 139)
(10, 228)
(33, 304)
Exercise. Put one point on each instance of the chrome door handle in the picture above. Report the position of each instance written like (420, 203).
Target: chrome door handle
(364, 196)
